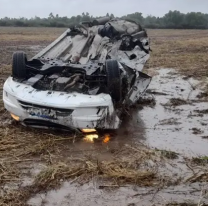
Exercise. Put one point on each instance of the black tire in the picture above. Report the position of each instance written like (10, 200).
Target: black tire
(19, 65)
(113, 79)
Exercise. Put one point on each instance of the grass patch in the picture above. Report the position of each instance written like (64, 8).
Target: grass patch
(88, 168)
(168, 154)
(176, 102)
(14, 198)
(184, 50)
(184, 204)
(200, 160)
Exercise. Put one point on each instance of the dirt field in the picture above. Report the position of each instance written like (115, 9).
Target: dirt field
(158, 157)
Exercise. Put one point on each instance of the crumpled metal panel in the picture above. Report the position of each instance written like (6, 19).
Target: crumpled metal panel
(138, 89)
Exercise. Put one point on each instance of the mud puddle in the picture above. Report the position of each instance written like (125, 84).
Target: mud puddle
(92, 195)
(177, 121)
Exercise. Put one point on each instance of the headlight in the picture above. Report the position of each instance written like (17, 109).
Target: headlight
(15, 117)
(88, 130)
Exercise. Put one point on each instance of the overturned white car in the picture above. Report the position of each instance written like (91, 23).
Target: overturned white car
(81, 79)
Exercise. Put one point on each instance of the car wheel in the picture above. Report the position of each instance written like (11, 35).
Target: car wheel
(113, 79)
(19, 65)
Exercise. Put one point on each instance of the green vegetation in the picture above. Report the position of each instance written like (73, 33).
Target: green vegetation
(171, 20)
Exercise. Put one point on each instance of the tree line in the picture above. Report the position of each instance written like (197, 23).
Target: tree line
(171, 20)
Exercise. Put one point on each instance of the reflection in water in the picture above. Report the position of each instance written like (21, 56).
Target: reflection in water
(90, 137)
(132, 130)
(106, 138)
(177, 136)
(88, 130)
(79, 195)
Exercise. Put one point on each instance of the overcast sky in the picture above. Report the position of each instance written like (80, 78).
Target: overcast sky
(42, 8)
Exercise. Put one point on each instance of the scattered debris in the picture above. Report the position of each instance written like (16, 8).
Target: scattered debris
(187, 77)
(200, 160)
(183, 204)
(202, 95)
(147, 100)
(168, 154)
(195, 115)
(204, 111)
(171, 121)
(156, 93)
(199, 177)
(192, 86)
(197, 131)
(15, 197)
(176, 102)
(204, 124)
(51, 177)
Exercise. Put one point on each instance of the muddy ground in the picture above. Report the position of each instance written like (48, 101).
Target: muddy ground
(158, 157)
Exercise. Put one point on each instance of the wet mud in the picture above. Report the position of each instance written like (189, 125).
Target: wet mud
(169, 125)
(176, 122)
(91, 195)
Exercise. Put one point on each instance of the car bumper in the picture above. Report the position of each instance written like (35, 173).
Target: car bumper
(59, 109)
